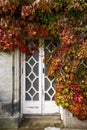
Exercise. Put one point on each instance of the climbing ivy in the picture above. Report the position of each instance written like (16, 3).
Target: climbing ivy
(65, 20)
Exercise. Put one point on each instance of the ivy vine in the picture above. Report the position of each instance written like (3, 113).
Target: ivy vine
(65, 20)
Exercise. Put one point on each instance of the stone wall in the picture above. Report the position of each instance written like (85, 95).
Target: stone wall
(5, 84)
(9, 90)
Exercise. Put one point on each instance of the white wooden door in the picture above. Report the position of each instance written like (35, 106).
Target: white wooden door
(38, 89)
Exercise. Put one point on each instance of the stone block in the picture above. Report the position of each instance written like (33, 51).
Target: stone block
(75, 123)
(5, 96)
(72, 122)
(5, 72)
(9, 122)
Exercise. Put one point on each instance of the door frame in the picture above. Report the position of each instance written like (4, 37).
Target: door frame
(41, 74)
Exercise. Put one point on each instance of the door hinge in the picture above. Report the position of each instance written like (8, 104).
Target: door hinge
(13, 69)
(43, 70)
(22, 70)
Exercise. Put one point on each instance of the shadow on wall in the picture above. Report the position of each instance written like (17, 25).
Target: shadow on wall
(10, 108)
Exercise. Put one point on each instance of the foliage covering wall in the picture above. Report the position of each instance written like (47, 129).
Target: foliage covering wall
(65, 20)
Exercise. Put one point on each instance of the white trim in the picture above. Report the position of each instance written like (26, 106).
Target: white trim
(43, 83)
(22, 81)
(16, 80)
(23, 87)
(16, 76)
(40, 78)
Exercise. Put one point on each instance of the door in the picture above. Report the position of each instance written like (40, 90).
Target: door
(38, 89)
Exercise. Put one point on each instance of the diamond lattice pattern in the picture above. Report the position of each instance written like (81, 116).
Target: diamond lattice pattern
(49, 83)
(32, 74)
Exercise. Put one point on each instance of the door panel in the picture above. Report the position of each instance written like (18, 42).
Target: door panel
(38, 89)
(49, 84)
(32, 99)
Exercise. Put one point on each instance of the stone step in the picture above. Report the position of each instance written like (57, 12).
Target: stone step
(53, 128)
(45, 122)
(40, 122)
(72, 129)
